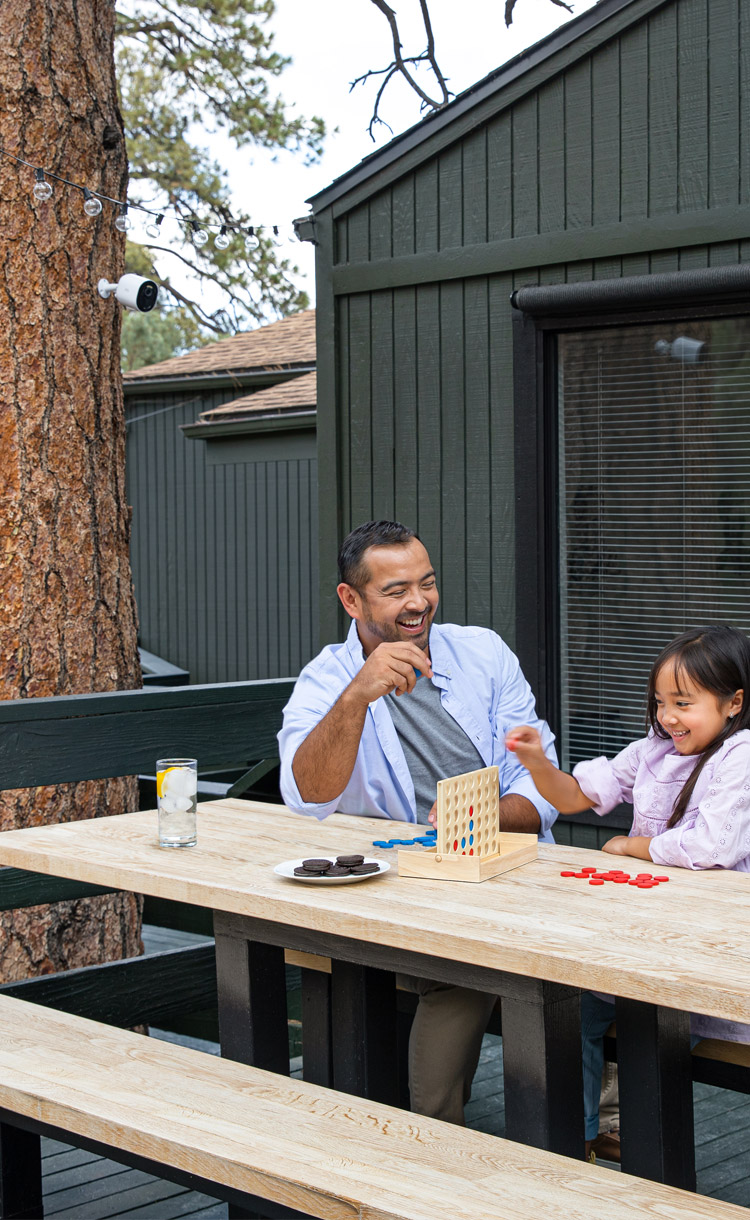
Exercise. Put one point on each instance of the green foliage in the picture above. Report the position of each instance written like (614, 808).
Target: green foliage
(208, 62)
(148, 338)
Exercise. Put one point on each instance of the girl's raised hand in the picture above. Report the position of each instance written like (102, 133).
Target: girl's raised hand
(525, 742)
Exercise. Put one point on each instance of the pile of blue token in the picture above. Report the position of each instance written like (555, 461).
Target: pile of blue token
(427, 840)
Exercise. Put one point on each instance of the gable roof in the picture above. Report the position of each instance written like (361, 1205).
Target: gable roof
(299, 394)
(280, 345)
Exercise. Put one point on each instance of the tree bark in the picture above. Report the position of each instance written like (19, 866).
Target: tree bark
(67, 611)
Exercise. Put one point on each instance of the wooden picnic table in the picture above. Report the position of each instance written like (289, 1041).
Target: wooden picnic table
(530, 935)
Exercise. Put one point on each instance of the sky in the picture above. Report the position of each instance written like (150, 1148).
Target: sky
(330, 42)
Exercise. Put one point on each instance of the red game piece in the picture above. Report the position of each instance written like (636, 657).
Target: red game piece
(588, 869)
(567, 873)
(581, 876)
(661, 878)
(634, 883)
(644, 876)
(595, 881)
(621, 879)
(646, 885)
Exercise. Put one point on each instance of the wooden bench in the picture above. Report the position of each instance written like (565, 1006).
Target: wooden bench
(723, 1064)
(246, 1135)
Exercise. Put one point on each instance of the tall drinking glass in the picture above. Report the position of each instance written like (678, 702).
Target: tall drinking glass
(177, 793)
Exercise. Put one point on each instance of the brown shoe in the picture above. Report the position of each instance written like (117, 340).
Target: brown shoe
(606, 1147)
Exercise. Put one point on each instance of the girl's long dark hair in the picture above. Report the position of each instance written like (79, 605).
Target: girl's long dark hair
(716, 658)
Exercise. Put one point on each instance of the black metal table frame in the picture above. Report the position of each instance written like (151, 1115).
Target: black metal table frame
(541, 1039)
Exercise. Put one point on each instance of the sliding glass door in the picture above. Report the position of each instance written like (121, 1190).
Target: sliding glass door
(654, 509)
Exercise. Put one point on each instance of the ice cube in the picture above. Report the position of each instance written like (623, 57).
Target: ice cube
(181, 781)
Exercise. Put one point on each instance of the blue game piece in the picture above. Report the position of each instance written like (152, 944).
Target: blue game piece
(426, 840)
(381, 843)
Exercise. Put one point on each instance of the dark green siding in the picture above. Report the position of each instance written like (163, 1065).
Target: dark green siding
(623, 154)
(224, 554)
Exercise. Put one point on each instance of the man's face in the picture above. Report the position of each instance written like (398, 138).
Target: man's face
(399, 600)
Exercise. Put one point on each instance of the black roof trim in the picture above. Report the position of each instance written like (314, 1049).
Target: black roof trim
(471, 97)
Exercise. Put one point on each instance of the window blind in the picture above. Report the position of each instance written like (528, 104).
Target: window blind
(654, 470)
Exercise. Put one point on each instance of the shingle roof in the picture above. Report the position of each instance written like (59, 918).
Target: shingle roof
(281, 344)
(297, 394)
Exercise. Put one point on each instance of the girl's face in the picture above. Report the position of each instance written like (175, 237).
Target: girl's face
(692, 715)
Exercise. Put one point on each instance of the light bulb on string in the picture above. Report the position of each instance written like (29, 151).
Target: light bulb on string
(123, 221)
(200, 236)
(222, 239)
(92, 206)
(277, 239)
(154, 229)
(253, 241)
(42, 190)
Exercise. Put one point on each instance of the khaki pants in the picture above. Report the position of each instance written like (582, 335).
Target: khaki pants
(444, 1046)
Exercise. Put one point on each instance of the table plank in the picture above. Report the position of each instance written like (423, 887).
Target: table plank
(677, 945)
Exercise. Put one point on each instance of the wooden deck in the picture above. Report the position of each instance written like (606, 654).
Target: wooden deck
(81, 1186)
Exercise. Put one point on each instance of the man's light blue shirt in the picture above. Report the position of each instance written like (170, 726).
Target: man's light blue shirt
(481, 686)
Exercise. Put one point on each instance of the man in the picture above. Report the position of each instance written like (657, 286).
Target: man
(375, 722)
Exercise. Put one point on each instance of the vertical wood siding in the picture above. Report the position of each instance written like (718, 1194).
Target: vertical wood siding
(651, 124)
(224, 557)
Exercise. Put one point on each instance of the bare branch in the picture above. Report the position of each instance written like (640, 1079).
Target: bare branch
(400, 64)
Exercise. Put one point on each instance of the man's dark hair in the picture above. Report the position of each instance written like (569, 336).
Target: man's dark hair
(352, 567)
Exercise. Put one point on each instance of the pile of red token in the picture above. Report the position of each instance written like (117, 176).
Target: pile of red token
(643, 881)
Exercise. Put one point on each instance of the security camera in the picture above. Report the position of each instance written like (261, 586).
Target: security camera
(132, 291)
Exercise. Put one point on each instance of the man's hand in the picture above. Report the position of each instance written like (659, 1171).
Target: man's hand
(389, 667)
(325, 760)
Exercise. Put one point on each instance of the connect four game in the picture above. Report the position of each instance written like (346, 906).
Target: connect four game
(469, 845)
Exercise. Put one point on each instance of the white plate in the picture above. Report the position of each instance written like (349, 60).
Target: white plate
(286, 869)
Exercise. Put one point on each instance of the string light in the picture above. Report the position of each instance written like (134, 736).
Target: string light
(154, 229)
(200, 236)
(92, 204)
(42, 190)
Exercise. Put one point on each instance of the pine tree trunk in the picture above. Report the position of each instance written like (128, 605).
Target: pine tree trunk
(67, 613)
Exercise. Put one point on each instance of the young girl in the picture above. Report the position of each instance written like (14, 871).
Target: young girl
(689, 783)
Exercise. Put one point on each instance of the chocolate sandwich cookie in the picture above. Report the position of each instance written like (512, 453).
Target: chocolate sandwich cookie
(349, 861)
(316, 866)
(337, 870)
(361, 869)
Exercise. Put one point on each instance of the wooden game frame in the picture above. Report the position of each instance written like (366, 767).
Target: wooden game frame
(470, 845)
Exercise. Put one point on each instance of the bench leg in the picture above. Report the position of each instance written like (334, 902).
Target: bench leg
(657, 1136)
(543, 1077)
(20, 1174)
(252, 1003)
(363, 1005)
